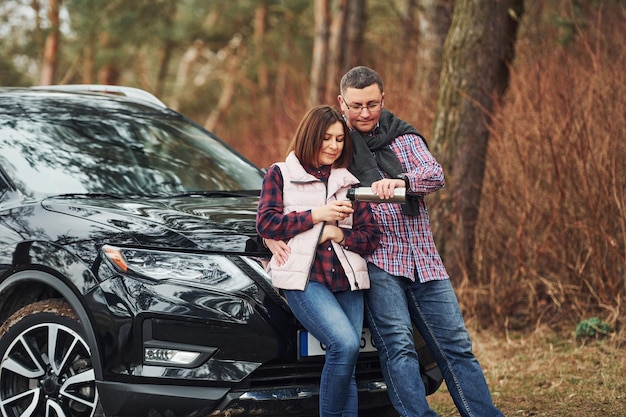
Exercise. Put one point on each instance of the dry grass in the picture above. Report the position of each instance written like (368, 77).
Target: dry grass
(551, 239)
(550, 374)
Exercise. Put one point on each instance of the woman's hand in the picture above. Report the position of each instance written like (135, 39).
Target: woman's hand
(332, 232)
(332, 212)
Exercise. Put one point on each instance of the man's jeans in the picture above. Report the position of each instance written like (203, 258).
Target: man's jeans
(336, 320)
(435, 311)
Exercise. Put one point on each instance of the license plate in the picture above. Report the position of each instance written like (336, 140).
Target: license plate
(309, 346)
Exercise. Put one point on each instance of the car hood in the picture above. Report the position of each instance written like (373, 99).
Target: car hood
(225, 224)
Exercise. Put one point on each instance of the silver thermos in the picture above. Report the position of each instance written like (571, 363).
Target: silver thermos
(366, 194)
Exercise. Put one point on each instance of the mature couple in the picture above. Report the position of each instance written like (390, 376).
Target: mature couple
(326, 250)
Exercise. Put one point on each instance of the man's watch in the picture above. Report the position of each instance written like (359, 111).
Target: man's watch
(405, 178)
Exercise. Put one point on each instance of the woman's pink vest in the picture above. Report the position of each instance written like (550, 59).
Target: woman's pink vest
(302, 191)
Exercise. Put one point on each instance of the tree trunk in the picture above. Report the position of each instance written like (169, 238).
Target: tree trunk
(51, 48)
(166, 54)
(109, 73)
(337, 46)
(88, 66)
(38, 32)
(476, 56)
(433, 24)
(229, 79)
(352, 51)
(409, 39)
(263, 78)
(335, 49)
(233, 54)
(320, 51)
(194, 53)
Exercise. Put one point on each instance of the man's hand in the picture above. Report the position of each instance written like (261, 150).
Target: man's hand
(385, 188)
(279, 249)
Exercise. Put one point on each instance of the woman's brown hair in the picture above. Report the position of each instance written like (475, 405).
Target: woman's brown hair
(307, 142)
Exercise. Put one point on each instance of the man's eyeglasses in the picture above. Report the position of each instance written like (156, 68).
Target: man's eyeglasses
(358, 108)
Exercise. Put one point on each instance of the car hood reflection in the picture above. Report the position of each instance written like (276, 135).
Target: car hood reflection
(220, 224)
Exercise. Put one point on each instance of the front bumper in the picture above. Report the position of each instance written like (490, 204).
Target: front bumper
(131, 400)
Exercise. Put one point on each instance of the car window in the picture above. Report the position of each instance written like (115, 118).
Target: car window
(120, 153)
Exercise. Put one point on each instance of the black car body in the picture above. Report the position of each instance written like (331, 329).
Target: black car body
(131, 279)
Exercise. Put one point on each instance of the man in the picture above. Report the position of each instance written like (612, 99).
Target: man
(409, 283)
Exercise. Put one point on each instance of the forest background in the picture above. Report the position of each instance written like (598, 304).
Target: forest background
(523, 103)
(545, 241)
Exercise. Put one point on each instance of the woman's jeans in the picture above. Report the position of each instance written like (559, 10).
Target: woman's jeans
(336, 320)
(392, 305)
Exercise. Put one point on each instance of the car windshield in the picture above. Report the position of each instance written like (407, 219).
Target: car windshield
(118, 153)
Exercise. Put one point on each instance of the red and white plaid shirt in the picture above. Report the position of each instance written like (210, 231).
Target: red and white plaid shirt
(406, 245)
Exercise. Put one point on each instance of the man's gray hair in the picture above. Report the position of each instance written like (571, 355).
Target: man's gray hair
(359, 78)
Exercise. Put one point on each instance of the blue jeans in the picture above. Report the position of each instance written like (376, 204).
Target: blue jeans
(392, 305)
(336, 320)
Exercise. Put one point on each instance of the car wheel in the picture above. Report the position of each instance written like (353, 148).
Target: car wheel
(46, 365)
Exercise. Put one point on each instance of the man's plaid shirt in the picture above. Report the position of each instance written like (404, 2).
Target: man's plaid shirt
(406, 245)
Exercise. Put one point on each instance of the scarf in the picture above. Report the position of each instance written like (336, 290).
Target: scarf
(372, 152)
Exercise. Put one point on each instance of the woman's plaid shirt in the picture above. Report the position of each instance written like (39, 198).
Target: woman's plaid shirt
(272, 223)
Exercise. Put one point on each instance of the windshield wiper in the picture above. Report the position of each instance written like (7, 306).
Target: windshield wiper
(90, 195)
(218, 193)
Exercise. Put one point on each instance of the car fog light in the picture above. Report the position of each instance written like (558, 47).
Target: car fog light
(172, 356)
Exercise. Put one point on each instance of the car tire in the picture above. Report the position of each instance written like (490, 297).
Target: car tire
(46, 366)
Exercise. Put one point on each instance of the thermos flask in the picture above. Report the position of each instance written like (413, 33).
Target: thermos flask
(366, 194)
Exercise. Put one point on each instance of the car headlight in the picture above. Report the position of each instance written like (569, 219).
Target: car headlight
(210, 270)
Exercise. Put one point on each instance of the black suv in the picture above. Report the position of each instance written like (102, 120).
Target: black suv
(131, 279)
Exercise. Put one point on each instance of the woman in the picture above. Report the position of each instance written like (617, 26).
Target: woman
(303, 201)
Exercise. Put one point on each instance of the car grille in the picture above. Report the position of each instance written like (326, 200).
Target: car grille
(308, 372)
